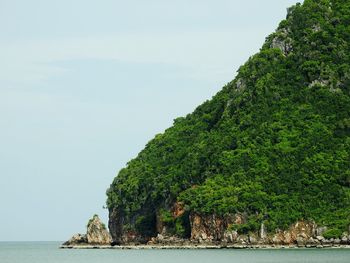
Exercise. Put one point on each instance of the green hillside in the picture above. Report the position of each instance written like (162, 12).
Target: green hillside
(274, 143)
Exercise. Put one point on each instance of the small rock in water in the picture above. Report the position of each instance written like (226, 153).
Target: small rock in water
(96, 234)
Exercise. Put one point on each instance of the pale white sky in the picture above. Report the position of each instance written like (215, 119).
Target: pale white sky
(84, 85)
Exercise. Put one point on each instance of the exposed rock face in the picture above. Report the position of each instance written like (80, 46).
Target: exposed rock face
(211, 228)
(299, 233)
(115, 225)
(282, 41)
(97, 234)
(218, 230)
(122, 234)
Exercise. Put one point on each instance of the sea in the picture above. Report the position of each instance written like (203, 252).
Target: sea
(46, 252)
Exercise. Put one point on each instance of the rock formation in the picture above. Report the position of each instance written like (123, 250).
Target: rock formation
(96, 234)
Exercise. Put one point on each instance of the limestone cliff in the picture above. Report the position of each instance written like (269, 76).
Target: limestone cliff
(224, 230)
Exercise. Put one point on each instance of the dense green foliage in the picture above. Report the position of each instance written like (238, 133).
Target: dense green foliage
(274, 143)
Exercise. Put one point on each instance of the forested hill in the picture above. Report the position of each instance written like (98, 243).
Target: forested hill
(273, 144)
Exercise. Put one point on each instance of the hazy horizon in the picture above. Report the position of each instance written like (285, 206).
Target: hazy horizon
(85, 85)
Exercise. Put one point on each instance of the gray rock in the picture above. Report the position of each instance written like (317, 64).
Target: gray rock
(344, 240)
(77, 239)
(230, 236)
(311, 241)
(252, 240)
(243, 239)
(336, 241)
(320, 238)
(300, 242)
(326, 242)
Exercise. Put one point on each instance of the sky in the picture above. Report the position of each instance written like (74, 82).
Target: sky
(84, 85)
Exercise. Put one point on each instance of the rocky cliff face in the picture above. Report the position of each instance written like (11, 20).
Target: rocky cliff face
(212, 229)
(96, 234)
(220, 230)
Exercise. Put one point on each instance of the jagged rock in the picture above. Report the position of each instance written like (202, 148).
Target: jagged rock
(160, 237)
(77, 239)
(336, 241)
(242, 239)
(320, 238)
(288, 238)
(252, 239)
(166, 240)
(312, 242)
(301, 242)
(326, 242)
(344, 240)
(301, 231)
(231, 236)
(97, 233)
(277, 239)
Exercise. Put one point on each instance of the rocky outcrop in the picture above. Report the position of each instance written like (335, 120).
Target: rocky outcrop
(282, 41)
(96, 234)
(77, 239)
(299, 233)
(217, 230)
(209, 228)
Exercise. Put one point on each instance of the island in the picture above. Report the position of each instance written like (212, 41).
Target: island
(264, 163)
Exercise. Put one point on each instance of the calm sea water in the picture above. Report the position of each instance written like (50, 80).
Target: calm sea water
(40, 252)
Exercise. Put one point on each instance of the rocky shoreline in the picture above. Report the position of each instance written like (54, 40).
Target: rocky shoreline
(209, 234)
(231, 246)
